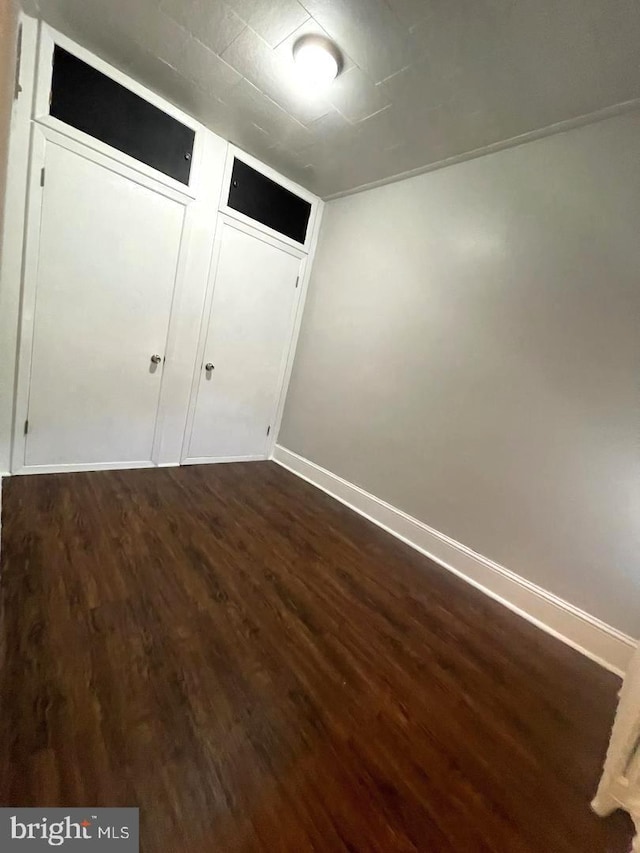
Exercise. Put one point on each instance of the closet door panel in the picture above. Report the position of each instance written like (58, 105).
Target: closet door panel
(107, 262)
(247, 342)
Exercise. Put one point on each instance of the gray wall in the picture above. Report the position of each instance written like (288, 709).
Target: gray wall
(470, 353)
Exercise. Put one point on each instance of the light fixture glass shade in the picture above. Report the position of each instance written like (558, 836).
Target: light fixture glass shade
(317, 59)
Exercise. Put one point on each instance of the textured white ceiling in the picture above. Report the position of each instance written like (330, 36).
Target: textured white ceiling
(424, 80)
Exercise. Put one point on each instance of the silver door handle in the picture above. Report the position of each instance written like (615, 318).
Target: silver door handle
(209, 367)
(156, 359)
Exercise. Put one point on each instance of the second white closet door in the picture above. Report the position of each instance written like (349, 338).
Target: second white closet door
(247, 342)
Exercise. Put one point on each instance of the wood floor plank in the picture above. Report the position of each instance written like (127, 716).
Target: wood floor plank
(259, 669)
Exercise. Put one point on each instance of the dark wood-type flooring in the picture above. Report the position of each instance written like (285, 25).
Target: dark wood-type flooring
(259, 669)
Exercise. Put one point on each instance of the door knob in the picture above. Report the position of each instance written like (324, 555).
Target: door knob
(156, 359)
(209, 367)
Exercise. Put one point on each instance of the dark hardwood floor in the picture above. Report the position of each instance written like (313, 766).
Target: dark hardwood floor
(259, 669)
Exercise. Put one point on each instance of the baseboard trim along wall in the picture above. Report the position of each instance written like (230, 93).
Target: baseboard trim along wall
(602, 643)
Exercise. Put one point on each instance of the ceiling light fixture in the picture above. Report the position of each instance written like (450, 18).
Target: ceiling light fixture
(317, 58)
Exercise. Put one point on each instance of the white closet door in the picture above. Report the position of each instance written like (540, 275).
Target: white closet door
(246, 347)
(107, 259)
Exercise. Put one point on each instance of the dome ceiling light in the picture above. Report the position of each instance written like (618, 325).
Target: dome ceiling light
(317, 58)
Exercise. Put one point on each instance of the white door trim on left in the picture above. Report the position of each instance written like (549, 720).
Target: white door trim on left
(11, 257)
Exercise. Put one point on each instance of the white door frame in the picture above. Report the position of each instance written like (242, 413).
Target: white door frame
(225, 221)
(40, 136)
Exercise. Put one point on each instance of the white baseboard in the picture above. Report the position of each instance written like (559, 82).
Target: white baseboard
(216, 460)
(594, 638)
(82, 468)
